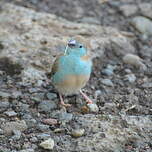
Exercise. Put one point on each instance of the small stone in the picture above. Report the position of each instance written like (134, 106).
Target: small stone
(143, 25)
(147, 85)
(64, 116)
(47, 144)
(109, 70)
(34, 139)
(93, 107)
(128, 71)
(27, 150)
(17, 135)
(10, 113)
(146, 9)
(47, 106)
(128, 10)
(43, 136)
(4, 94)
(4, 105)
(51, 96)
(16, 94)
(134, 60)
(1, 132)
(59, 130)
(30, 121)
(131, 78)
(8, 127)
(50, 121)
(84, 109)
(97, 93)
(42, 127)
(78, 133)
(107, 82)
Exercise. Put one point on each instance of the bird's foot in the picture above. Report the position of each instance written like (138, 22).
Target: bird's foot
(65, 105)
(88, 100)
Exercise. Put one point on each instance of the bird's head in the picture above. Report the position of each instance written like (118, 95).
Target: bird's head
(75, 48)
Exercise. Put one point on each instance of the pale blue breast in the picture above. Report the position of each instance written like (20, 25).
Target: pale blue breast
(71, 65)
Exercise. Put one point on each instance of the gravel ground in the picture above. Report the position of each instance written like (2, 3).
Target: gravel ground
(122, 91)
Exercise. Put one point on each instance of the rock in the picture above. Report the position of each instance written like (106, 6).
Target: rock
(107, 82)
(146, 9)
(30, 121)
(1, 132)
(109, 70)
(128, 10)
(27, 150)
(78, 132)
(42, 127)
(8, 127)
(143, 25)
(17, 134)
(147, 85)
(34, 139)
(47, 144)
(4, 94)
(47, 106)
(93, 108)
(4, 105)
(43, 136)
(134, 60)
(16, 94)
(50, 121)
(51, 96)
(131, 78)
(66, 117)
(10, 113)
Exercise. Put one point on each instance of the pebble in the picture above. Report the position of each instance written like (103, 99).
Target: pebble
(66, 117)
(47, 106)
(146, 9)
(134, 60)
(147, 85)
(16, 94)
(51, 96)
(27, 150)
(143, 25)
(4, 105)
(8, 127)
(17, 134)
(47, 144)
(10, 113)
(93, 108)
(30, 121)
(34, 139)
(131, 78)
(43, 136)
(50, 121)
(1, 132)
(109, 70)
(42, 127)
(128, 10)
(4, 94)
(107, 82)
(78, 132)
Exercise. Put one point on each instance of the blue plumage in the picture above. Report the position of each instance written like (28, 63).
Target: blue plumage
(72, 70)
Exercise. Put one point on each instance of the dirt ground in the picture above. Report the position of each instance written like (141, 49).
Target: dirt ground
(112, 99)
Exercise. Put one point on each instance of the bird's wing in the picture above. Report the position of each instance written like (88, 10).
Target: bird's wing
(55, 65)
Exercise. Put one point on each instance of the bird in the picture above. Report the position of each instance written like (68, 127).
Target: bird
(71, 71)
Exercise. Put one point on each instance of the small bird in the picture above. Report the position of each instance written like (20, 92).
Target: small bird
(71, 71)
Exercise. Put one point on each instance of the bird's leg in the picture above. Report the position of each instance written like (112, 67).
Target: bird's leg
(62, 102)
(89, 101)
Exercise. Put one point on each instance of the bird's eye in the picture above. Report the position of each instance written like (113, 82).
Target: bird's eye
(80, 46)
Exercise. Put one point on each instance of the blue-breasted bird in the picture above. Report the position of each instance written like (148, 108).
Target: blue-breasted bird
(72, 70)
